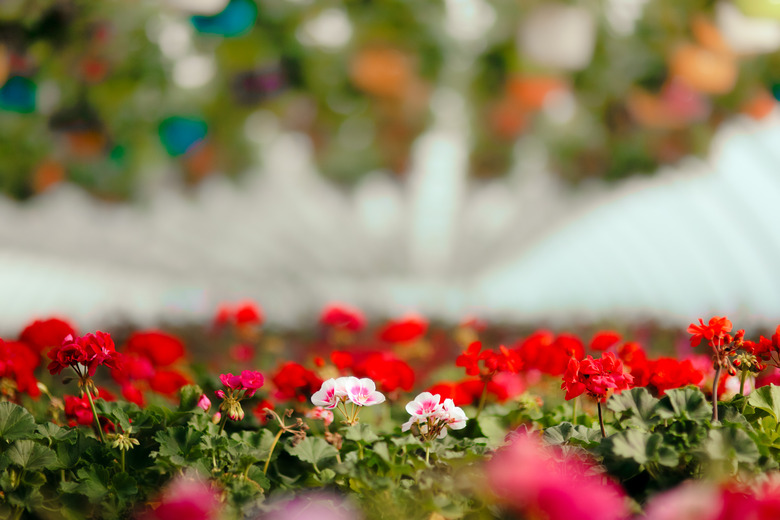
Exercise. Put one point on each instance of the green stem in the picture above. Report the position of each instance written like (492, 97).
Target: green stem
(427, 454)
(482, 399)
(742, 378)
(360, 450)
(601, 420)
(222, 423)
(271, 451)
(574, 410)
(715, 394)
(123, 460)
(95, 415)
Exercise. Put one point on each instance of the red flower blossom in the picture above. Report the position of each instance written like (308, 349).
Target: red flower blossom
(549, 354)
(404, 330)
(133, 394)
(604, 339)
(340, 316)
(241, 314)
(17, 363)
(469, 391)
(161, 348)
(89, 351)
(387, 371)
(504, 360)
(168, 382)
(43, 334)
(242, 353)
(259, 411)
(294, 381)
(715, 330)
(595, 376)
(342, 359)
(668, 373)
(77, 409)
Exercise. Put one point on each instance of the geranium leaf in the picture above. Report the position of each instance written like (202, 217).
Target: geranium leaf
(731, 443)
(30, 455)
(684, 403)
(15, 422)
(766, 398)
(361, 432)
(636, 408)
(312, 450)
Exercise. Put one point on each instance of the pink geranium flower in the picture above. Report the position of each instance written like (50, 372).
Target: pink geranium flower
(362, 392)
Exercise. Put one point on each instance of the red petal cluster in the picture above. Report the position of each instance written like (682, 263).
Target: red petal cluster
(596, 377)
(604, 339)
(160, 348)
(294, 381)
(89, 351)
(715, 331)
(505, 360)
(44, 334)
(17, 363)
(549, 354)
(404, 330)
(340, 316)
(241, 314)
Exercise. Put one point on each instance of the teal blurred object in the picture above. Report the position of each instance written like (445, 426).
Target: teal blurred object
(18, 95)
(179, 134)
(236, 19)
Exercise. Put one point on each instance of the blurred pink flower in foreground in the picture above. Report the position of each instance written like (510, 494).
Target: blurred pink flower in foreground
(533, 481)
(313, 506)
(186, 497)
(707, 501)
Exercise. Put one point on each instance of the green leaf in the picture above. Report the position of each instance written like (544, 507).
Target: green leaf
(93, 483)
(492, 428)
(766, 398)
(125, 486)
(312, 450)
(53, 432)
(30, 455)
(731, 443)
(684, 403)
(636, 408)
(15, 422)
(631, 444)
(568, 433)
(361, 432)
(189, 396)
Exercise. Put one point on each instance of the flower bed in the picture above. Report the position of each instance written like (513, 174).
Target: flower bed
(385, 424)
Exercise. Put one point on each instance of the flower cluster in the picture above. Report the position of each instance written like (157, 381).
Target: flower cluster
(596, 377)
(384, 368)
(84, 354)
(505, 360)
(431, 417)
(17, 366)
(337, 393)
(236, 389)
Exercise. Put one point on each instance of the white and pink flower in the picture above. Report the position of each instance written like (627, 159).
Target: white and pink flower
(330, 394)
(363, 392)
(432, 417)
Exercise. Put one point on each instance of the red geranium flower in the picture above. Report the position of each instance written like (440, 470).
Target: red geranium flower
(241, 314)
(17, 363)
(404, 330)
(549, 354)
(294, 381)
(668, 373)
(43, 334)
(715, 330)
(595, 376)
(161, 348)
(387, 371)
(168, 382)
(604, 339)
(342, 316)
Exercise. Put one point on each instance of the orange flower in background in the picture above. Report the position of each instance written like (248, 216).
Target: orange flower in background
(531, 92)
(704, 70)
(381, 71)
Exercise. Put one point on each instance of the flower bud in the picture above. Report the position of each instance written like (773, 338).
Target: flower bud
(216, 418)
(204, 403)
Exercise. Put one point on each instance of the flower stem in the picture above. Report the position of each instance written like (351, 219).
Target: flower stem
(482, 399)
(95, 415)
(427, 453)
(222, 423)
(123, 460)
(715, 394)
(271, 451)
(742, 382)
(601, 420)
(574, 410)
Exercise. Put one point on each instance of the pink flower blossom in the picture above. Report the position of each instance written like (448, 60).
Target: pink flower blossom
(362, 392)
(204, 403)
(187, 497)
(432, 417)
(320, 413)
(535, 483)
(424, 405)
(330, 394)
